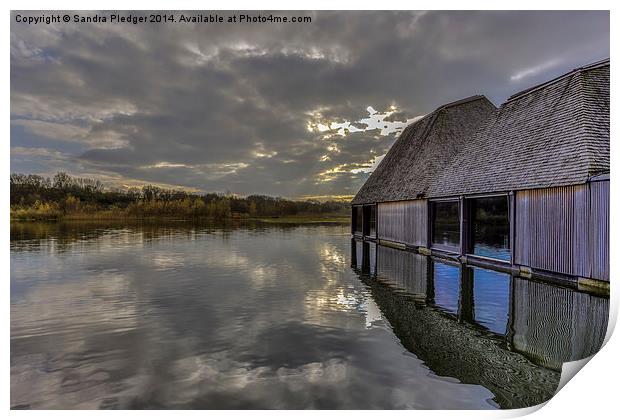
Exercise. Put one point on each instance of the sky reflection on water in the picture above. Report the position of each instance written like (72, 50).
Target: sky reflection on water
(180, 316)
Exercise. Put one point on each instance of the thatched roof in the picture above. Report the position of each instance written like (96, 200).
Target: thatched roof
(423, 150)
(550, 135)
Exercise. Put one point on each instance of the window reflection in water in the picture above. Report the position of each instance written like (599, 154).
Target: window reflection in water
(485, 327)
(447, 287)
(491, 299)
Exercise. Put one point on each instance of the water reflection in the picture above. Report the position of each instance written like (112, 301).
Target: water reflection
(208, 316)
(552, 325)
(509, 334)
(447, 287)
(491, 299)
(273, 316)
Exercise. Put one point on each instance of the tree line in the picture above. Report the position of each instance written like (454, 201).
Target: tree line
(39, 197)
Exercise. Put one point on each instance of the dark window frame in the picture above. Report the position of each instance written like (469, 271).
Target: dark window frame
(357, 219)
(432, 230)
(470, 225)
(369, 220)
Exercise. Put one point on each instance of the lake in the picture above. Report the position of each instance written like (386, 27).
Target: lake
(250, 315)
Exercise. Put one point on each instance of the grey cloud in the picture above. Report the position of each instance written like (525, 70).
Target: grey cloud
(205, 98)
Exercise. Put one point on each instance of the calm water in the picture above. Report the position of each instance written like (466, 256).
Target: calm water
(182, 316)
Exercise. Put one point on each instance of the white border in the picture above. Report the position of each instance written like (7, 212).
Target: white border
(591, 395)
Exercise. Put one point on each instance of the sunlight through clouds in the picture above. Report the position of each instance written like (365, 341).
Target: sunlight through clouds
(375, 121)
(266, 109)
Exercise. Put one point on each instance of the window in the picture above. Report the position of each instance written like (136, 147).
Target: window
(372, 220)
(357, 219)
(446, 225)
(490, 227)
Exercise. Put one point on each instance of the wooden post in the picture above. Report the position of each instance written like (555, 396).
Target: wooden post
(365, 221)
(465, 226)
(376, 220)
(511, 224)
(429, 225)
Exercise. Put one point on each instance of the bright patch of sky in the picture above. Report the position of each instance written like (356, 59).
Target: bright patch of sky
(375, 121)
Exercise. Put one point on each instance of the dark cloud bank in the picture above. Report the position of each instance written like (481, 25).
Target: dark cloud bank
(247, 108)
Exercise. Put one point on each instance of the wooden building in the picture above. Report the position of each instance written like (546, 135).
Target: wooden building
(523, 187)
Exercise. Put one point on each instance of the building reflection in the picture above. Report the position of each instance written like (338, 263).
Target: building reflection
(506, 333)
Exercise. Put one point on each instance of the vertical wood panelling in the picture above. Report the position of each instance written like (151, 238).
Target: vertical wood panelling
(403, 221)
(464, 226)
(564, 230)
(580, 238)
(522, 228)
(550, 229)
(511, 237)
(598, 235)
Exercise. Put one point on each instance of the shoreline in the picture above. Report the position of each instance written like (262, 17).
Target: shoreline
(297, 219)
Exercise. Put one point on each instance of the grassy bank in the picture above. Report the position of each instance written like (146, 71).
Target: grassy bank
(51, 214)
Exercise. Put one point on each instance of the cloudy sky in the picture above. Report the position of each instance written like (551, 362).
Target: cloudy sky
(289, 109)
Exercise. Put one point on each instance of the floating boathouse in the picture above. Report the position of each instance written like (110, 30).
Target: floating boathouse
(523, 187)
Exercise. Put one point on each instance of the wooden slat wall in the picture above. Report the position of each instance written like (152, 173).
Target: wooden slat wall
(555, 231)
(564, 229)
(579, 223)
(552, 325)
(598, 235)
(403, 221)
